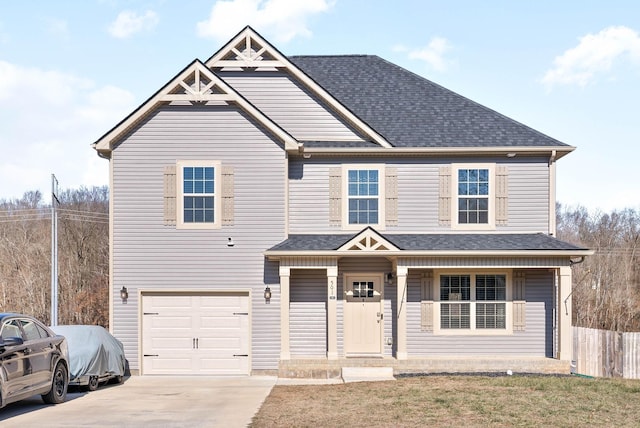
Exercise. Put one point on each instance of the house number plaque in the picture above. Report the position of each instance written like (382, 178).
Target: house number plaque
(332, 292)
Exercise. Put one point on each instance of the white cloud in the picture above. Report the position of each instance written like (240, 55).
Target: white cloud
(594, 55)
(281, 19)
(48, 121)
(433, 54)
(128, 23)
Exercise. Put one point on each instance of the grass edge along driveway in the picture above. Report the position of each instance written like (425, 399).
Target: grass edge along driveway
(448, 400)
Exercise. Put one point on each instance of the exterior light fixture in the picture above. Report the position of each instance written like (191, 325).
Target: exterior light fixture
(267, 294)
(124, 293)
(390, 277)
(230, 242)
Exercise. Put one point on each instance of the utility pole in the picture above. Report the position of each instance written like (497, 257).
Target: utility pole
(54, 250)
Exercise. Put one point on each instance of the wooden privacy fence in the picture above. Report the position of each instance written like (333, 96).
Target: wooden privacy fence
(604, 353)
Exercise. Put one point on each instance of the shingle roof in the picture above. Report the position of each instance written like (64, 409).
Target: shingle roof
(411, 111)
(435, 242)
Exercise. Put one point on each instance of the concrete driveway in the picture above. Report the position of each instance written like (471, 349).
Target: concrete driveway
(150, 401)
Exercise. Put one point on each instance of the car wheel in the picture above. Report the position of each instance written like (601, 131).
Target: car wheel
(116, 379)
(93, 383)
(59, 384)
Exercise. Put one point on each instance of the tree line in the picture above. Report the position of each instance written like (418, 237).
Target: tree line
(83, 256)
(605, 289)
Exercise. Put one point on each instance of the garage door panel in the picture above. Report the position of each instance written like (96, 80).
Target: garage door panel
(168, 322)
(228, 302)
(221, 366)
(169, 365)
(217, 322)
(196, 334)
(171, 344)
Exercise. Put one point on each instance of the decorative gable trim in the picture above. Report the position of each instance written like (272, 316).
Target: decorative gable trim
(368, 240)
(196, 84)
(250, 51)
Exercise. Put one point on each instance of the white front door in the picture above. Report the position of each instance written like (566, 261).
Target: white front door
(363, 315)
(195, 334)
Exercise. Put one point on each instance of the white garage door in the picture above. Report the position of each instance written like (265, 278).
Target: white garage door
(195, 334)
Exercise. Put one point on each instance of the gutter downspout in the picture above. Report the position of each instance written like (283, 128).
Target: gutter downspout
(552, 193)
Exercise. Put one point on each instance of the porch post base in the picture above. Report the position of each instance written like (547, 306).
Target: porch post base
(285, 355)
(401, 356)
(332, 355)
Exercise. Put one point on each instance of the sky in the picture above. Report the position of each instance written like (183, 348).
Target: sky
(72, 69)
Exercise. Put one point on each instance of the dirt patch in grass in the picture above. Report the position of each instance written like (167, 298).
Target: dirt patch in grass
(470, 401)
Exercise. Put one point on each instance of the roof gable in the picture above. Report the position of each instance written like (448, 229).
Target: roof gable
(195, 84)
(368, 240)
(248, 50)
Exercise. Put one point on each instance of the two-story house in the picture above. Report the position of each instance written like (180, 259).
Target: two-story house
(331, 210)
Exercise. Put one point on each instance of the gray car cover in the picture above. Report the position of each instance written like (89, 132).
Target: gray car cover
(93, 351)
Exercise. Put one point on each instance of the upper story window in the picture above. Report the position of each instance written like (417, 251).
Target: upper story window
(198, 194)
(473, 196)
(364, 202)
(473, 205)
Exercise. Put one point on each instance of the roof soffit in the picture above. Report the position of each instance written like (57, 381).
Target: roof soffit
(195, 84)
(250, 51)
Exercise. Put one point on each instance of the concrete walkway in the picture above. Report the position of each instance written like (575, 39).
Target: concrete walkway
(150, 401)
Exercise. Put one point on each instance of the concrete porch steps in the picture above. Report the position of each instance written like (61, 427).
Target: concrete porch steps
(367, 374)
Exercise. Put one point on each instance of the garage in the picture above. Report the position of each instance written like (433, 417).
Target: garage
(195, 333)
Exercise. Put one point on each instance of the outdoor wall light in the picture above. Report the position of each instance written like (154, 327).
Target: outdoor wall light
(230, 242)
(390, 277)
(267, 294)
(124, 293)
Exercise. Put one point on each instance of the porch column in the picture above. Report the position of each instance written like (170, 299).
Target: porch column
(332, 313)
(285, 353)
(565, 341)
(401, 340)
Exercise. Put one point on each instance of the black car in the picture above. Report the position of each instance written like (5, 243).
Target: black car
(34, 359)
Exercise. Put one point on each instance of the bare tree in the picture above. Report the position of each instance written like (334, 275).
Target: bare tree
(606, 288)
(83, 251)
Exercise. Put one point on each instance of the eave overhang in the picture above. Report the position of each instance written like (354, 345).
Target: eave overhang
(277, 255)
(557, 152)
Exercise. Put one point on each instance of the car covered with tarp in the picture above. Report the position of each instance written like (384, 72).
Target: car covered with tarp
(95, 356)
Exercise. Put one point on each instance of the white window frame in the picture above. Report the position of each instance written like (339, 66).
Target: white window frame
(381, 195)
(491, 223)
(217, 213)
(472, 330)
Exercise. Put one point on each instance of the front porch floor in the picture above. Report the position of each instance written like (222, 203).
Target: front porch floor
(319, 368)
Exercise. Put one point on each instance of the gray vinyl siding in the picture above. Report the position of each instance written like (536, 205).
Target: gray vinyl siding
(291, 106)
(535, 341)
(147, 255)
(308, 313)
(418, 187)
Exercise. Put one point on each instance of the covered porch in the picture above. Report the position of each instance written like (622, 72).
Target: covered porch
(399, 277)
